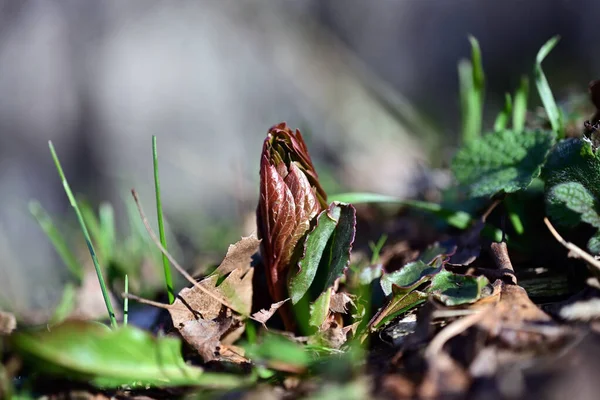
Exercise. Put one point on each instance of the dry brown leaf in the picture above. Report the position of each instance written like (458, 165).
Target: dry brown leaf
(202, 320)
(263, 315)
(339, 302)
(8, 323)
(212, 312)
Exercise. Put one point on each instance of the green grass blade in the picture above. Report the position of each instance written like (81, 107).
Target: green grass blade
(86, 235)
(552, 110)
(502, 118)
(126, 301)
(458, 219)
(161, 226)
(58, 241)
(472, 86)
(520, 105)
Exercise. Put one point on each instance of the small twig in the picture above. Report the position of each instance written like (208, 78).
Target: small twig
(576, 251)
(174, 262)
(453, 329)
(489, 210)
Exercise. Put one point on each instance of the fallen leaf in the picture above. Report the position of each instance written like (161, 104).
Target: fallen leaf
(8, 323)
(339, 302)
(263, 315)
(212, 312)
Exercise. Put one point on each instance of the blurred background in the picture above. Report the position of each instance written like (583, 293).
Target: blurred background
(372, 85)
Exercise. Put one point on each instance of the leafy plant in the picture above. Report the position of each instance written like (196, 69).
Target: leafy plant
(302, 237)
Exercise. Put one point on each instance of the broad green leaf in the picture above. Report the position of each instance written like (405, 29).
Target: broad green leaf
(552, 110)
(337, 253)
(570, 203)
(126, 356)
(334, 262)
(502, 119)
(504, 161)
(314, 246)
(572, 179)
(520, 105)
(458, 219)
(454, 289)
(408, 277)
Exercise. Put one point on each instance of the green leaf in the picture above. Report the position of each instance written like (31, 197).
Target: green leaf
(593, 244)
(520, 105)
(458, 219)
(319, 310)
(472, 85)
(504, 161)
(314, 246)
(399, 304)
(572, 181)
(502, 118)
(552, 110)
(337, 253)
(334, 262)
(454, 289)
(408, 277)
(126, 356)
(571, 203)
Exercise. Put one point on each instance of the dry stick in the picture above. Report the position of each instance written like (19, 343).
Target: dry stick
(453, 329)
(577, 252)
(170, 257)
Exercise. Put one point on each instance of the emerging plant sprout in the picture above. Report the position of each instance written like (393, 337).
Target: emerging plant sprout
(290, 197)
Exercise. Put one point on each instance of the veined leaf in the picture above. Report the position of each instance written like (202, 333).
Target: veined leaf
(408, 277)
(504, 161)
(454, 289)
(314, 247)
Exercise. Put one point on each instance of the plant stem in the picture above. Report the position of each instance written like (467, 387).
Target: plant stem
(86, 235)
(161, 227)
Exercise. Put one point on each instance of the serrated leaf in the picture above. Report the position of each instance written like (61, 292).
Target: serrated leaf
(126, 356)
(504, 161)
(314, 246)
(455, 289)
(408, 277)
(572, 178)
(593, 244)
(570, 203)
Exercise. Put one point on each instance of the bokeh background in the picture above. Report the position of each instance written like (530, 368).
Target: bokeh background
(372, 85)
